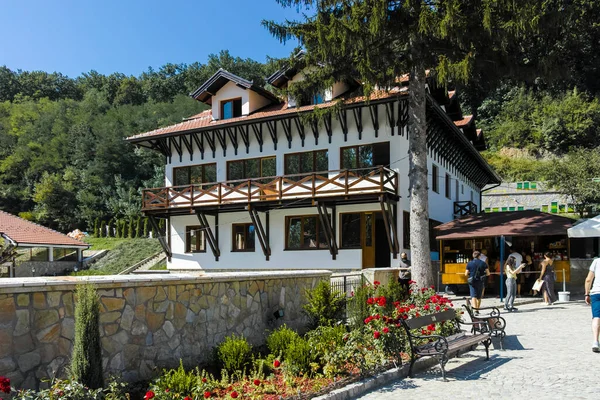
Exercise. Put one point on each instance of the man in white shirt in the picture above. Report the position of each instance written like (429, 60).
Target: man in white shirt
(592, 297)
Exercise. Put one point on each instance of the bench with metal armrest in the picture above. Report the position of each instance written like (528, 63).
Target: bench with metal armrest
(495, 324)
(440, 346)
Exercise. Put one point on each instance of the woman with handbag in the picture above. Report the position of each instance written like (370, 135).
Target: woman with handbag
(547, 277)
(511, 271)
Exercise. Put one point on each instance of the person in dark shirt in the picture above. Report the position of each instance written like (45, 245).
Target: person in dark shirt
(404, 276)
(476, 271)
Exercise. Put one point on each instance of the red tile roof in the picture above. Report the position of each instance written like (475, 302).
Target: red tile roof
(464, 122)
(205, 120)
(26, 232)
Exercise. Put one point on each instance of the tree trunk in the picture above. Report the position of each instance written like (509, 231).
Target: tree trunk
(417, 176)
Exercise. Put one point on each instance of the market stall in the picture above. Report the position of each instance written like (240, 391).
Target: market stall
(584, 245)
(530, 233)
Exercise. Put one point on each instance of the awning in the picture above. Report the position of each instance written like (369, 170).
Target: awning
(589, 228)
(511, 223)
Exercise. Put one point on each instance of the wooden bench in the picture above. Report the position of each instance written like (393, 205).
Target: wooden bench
(440, 346)
(494, 323)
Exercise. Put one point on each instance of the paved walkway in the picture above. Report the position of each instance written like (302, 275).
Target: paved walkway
(548, 354)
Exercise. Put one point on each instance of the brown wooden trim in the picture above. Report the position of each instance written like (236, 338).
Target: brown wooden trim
(360, 182)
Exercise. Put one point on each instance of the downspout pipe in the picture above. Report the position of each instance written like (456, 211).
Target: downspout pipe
(485, 190)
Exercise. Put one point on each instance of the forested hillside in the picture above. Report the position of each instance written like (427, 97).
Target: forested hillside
(64, 163)
(63, 160)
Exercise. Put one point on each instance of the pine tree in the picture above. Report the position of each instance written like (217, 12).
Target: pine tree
(131, 228)
(377, 41)
(102, 229)
(86, 362)
(96, 226)
(111, 227)
(138, 227)
(146, 223)
(124, 228)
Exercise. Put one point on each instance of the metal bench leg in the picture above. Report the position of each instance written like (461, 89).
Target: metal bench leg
(487, 343)
(443, 361)
(502, 334)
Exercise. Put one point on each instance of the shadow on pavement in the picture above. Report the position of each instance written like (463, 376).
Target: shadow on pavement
(545, 308)
(471, 370)
(511, 342)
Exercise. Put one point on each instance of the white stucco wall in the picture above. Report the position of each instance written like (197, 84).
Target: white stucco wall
(440, 207)
(227, 92)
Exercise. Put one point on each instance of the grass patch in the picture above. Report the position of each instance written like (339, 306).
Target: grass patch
(104, 243)
(123, 254)
(160, 266)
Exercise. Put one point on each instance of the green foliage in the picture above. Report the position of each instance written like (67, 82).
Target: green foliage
(324, 306)
(574, 176)
(556, 122)
(177, 380)
(72, 390)
(146, 223)
(324, 342)
(357, 306)
(234, 353)
(111, 227)
(138, 227)
(515, 169)
(279, 339)
(298, 357)
(96, 226)
(131, 228)
(86, 361)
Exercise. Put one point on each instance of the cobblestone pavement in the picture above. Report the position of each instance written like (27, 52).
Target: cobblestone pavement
(548, 354)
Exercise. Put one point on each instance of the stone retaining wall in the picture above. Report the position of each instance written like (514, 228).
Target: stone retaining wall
(146, 322)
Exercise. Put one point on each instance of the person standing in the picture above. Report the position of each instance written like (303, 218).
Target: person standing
(547, 275)
(518, 257)
(476, 271)
(525, 279)
(483, 257)
(592, 297)
(404, 276)
(511, 271)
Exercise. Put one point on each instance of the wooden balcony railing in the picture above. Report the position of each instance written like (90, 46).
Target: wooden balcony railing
(462, 208)
(376, 180)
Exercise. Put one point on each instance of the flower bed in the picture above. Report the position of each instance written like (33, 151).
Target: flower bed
(329, 356)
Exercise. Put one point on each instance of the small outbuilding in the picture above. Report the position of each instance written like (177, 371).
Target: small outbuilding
(34, 250)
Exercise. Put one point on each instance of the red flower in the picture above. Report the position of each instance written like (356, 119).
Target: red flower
(368, 319)
(352, 293)
(431, 327)
(376, 283)
(411, 282)
(167, 390)
(426, 307)
(381, 301)
(386, 330)
(437, 308)
(433, 287)
(370, 300)
(404, 316)
(377, 316)
(417, 315)
(4, 384)
(189, 398)
(206, 394)
(376, 334)
(234, 394)
(149, 395)
(203, 380)
(257, 382)
(276, 363)
(412, 306)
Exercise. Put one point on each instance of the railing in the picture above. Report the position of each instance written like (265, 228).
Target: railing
(462, 208)
(327, 183)
(347, 284)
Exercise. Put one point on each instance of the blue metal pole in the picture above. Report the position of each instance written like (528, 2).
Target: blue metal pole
(502, 244)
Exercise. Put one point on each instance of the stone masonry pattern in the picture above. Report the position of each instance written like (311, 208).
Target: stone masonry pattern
(146, 323)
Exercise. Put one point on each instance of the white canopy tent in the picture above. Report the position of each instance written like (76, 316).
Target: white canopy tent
(586, 229)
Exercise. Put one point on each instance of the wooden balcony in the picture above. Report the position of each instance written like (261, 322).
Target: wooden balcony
(343, 184)
(462, 208)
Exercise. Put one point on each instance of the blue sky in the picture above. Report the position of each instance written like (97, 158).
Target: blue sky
(128, 36)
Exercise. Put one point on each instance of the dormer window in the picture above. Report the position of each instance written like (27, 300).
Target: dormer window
(314, 100)
(231, 108)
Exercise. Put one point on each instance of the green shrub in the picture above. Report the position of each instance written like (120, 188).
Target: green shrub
(96, 226)
(177, 380)
(298, 357)
(358, 309)
(102, 232)
(86, 363)
(324, 306)
(131, 230)
(325, 340)
(279, 340)
(393, 291)
(138, 227)
(111, 223)
(145, 227)
(234, 353)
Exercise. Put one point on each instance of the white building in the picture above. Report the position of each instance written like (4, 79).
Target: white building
(253, 184)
